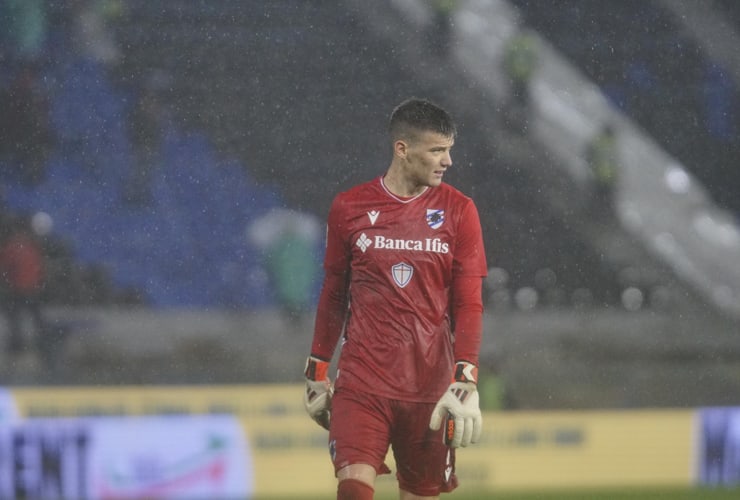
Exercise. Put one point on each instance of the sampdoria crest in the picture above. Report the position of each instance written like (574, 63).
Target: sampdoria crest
(402, 273)
(435, 217)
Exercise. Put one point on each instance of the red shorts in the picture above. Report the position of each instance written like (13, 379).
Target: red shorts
(363, 426)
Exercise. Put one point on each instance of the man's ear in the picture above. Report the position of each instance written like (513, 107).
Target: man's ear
(400, 148)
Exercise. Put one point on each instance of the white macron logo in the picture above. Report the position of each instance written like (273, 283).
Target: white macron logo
(373, 215)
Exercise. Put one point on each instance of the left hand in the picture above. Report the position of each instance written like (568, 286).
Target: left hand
(319, 391)
(459, 408)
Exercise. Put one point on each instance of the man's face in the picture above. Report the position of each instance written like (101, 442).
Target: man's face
(428, 158)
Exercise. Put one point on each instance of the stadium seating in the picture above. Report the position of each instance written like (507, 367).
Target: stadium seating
(658, 75)
(186, 249)
(263, 98)
(305, 108)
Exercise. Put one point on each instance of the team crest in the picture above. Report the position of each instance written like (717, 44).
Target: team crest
(435, 217)
(402, 273)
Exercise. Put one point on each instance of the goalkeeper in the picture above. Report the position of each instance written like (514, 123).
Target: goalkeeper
(402, 288)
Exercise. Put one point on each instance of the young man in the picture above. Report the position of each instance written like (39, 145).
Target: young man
(403, 276)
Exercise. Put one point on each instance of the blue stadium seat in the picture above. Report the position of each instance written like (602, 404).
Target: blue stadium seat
(188, 247)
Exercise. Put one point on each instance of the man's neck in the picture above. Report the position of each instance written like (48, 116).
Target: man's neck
(400, 185)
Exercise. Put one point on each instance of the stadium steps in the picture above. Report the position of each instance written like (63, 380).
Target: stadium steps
(678, 74)
(548, 219)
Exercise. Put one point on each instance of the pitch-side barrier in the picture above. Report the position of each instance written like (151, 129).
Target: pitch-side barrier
(255, 441)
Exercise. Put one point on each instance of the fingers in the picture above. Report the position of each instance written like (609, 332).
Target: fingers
(477, 429)
(323, 418)
(467, 432)
(438, 414)
(462, 431)
(317, 401)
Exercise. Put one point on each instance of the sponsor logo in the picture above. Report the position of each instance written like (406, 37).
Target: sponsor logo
(150, 475)
(364, 242)
(435, 217)
(402, 274)
(449, 429)
(373, 216)
(466, 372)
(434, 245)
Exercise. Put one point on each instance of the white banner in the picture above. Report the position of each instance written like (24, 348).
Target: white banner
(167, 457)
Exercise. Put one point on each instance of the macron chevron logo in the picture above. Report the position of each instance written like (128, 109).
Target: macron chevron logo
(373, 215)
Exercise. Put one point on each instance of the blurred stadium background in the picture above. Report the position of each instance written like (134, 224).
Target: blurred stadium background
(623, 295)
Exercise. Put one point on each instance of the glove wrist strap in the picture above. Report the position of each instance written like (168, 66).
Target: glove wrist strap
(316, 369)
(465, 372)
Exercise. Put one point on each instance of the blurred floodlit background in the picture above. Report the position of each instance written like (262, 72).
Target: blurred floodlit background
(175, 161)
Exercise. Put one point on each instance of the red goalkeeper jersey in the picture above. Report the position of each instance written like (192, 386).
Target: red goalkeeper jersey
(392, 266)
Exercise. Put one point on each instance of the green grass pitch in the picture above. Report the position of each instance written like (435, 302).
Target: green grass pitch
(635, 494)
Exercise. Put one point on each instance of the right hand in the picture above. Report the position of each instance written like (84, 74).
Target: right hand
(319, 391)
(459, 408)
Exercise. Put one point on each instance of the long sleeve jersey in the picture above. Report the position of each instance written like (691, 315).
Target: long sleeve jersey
(402, 287)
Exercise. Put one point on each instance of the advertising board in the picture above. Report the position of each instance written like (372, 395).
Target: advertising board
(125, 458)
(518, 450)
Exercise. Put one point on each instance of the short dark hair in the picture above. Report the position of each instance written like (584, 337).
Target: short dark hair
(416, 115)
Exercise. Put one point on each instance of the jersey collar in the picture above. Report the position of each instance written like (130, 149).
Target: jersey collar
(399, 198)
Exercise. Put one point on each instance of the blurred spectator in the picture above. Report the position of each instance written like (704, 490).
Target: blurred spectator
(494, 394)
(146, 127)
(26, 138)
(289, 239)
(24, 27)
(23, 273)
(602, 156)
(719, 99)
(440, 34)
(520, 62)
(92, 35)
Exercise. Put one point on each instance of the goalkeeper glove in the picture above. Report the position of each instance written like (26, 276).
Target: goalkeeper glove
(459, 408)
(319, 391)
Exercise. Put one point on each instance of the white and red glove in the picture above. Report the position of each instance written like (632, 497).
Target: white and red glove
(319, 391)
(459, 408)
